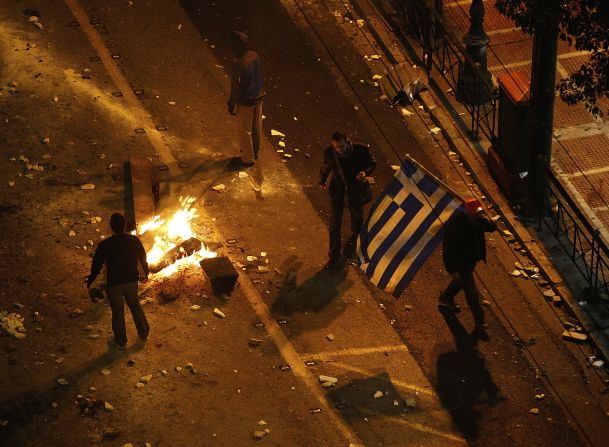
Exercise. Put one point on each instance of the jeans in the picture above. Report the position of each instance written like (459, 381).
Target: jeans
(337, 204)
(468, 284)
(118, 295)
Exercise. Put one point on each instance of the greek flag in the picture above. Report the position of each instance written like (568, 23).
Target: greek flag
(405, 224)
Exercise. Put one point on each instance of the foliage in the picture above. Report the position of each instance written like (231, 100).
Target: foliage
(584, 25)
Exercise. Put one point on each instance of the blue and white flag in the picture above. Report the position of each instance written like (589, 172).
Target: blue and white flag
(405, 224)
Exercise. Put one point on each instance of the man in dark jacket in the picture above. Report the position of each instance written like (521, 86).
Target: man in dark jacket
(464, 245)
(121, 254)
(350, 164)
(245, 101)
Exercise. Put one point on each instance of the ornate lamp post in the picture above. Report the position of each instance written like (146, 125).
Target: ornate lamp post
(472, 87)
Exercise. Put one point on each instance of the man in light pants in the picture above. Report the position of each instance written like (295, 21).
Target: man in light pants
(245, 101)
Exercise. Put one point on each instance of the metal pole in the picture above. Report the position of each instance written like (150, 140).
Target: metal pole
(541, 118)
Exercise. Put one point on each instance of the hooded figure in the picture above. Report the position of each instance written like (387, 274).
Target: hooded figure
(245, 100)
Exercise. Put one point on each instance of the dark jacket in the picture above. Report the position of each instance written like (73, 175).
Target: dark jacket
(121, 254)
(464, 244)
(247, 83)
(355, 160)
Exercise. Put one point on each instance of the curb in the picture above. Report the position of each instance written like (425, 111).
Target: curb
(548, 271)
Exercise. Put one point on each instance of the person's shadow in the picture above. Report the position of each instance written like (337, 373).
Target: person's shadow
(463, 382)
(313, 295)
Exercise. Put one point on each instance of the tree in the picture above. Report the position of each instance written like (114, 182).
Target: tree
(583, 24)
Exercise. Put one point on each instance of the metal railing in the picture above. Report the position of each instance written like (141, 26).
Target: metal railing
(442, 49)
(578, 238)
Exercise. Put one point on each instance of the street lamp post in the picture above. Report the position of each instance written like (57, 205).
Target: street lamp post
(474, 79)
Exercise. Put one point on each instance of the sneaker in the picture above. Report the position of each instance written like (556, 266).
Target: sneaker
(443, 306)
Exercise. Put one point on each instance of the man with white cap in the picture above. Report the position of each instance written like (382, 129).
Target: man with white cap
(464, 245)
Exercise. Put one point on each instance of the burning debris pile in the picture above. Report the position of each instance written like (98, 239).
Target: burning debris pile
(173, 240)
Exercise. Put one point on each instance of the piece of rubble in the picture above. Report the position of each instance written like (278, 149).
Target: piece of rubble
(219, 188)
(435, 130)
(516, 273)
(330, 337)
(254, 342)
(145, 379)
(540, 396)
(71, 233)
(411, 402)
(407, 307)
(518, 265)
(243, 174)
(218, 313)
(598, 364)
(281, 144)
(139, 385)
(328, 379)
(259, 434)
(178, 368)
(87, 187)
(195, 307)
(276, 133)
(62, 381)
(105, 372)
(190, 368)
(164, 372)
(378, 394)
(574, 336)
(548, 293)
(108, 406)
(534, 411)
(486, 303)
(406, 112)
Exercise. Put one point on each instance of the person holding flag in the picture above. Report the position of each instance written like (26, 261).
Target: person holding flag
(463, 246)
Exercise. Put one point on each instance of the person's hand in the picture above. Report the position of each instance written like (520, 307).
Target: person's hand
(361, 176)
(455, 275)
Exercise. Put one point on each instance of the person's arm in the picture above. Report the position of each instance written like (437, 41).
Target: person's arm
(326, 167)
(97, 264)
(236, 86)
(370, 162)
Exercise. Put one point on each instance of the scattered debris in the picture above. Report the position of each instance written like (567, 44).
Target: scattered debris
(13, 324)
(378, 394)
(540, 396)
(62, 381)
(87, 187)
(534, 411)
(219, 188)
(195, 307)
(218, 313)
(108, 406)
(411, 402)
(435, 130)
(574, 336)
(330, 337)
(516, 273)
(254, 342)
(276, 133)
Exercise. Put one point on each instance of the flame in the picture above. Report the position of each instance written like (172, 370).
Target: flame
(171, 233)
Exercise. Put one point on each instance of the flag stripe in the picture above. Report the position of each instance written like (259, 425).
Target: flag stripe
(414, 238)
(405, 225)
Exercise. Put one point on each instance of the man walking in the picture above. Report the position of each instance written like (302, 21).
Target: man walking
(350, 164)
(245, 101)
(464, 245)
(121, 254)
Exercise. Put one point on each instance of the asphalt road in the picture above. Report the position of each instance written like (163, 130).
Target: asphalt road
(313, 69)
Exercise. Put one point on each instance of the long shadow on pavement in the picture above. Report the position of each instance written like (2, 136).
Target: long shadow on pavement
(463, 380)
(313, 295)
(21, 409)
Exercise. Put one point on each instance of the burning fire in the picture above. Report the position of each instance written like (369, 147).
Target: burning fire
(171, 233)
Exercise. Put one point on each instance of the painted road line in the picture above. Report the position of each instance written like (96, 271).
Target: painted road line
(355, 352)
(295, 362)
(397, 383)
(141, 114)
(419, 427)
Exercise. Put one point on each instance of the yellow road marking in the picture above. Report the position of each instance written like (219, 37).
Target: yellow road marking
(294, 360)
(419, 427)
(324, 355)
(141, 114)
(397, 383)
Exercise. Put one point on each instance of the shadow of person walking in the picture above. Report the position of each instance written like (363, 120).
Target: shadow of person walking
(463, 382)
